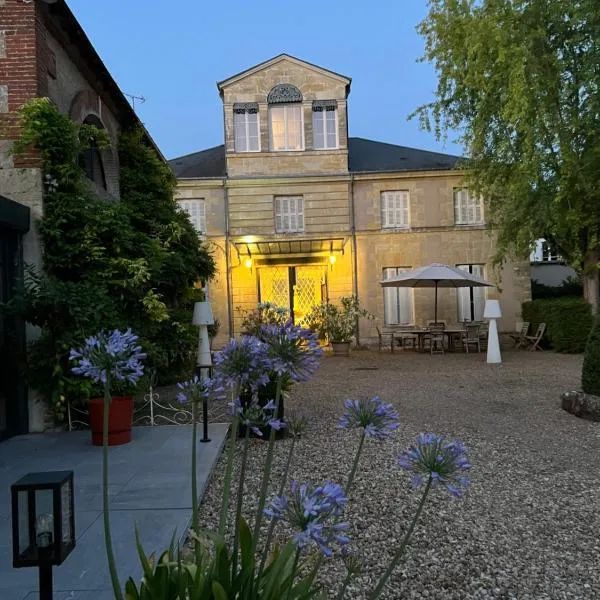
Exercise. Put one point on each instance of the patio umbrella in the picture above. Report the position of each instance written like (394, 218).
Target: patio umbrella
(435, 275)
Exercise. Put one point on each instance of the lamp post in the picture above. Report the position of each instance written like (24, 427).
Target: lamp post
(43, 523)
(492, 312)
(202, 318)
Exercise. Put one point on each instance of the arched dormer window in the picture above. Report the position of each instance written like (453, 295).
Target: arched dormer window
(91, 158)
(286, 122)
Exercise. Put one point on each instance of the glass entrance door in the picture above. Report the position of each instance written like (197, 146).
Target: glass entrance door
(295, 288)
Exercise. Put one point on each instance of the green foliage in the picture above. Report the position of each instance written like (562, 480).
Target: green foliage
(519, 81)
(590, 374)
(265, 314)
(571, 287)
(133, 263)
(336, 323)
(568, 322)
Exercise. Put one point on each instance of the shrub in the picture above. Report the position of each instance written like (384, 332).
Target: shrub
(590, 375)
(568, 322)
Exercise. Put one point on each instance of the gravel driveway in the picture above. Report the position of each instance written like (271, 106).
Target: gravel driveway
(529, 526)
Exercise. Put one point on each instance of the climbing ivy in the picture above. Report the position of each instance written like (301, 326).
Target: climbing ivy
(129, 263)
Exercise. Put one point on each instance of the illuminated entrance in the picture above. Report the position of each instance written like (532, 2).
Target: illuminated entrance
(297, 288)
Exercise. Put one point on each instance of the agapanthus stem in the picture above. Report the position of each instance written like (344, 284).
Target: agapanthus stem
(266, 475)
(293, 573)
(112, 568)
(229, 472)
(355, 463)
(240, 502)
(398, 555)
(273, 524)
(347, 579)
(195, 478)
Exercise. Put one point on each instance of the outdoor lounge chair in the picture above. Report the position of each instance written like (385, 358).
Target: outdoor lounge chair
(535, 339)
(519, 338)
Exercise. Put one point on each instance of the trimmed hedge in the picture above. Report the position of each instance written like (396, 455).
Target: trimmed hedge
(590, 374)
(568, 322)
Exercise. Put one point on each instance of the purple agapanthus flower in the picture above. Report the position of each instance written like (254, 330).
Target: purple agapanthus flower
(313, 512)
(110, 355)
(255, 416)
(293, 350)
(444, 462)
(377, 419)
(198, 389)
(243, 364)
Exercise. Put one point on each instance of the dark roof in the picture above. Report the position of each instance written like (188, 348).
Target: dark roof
(363, 156)
(372, 156)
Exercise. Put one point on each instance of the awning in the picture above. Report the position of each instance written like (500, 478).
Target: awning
(292, 246)
(14, 215)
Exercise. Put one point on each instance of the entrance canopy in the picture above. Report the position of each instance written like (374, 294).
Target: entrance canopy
(273, 248)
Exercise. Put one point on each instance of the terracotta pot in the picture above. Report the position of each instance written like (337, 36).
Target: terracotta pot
(340, 348)
(120, 420)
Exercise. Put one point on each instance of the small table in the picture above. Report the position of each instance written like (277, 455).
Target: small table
(449, 333)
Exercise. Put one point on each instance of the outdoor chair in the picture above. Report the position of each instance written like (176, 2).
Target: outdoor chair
(436, 324)
(470, 337)
(520, 337)
(435, 337)
(535, 339)
(406, 338)
(383, 337)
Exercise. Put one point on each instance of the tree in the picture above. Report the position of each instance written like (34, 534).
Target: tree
(519, 80)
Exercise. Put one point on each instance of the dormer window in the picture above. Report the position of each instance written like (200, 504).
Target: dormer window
(246, 126)
(286, 123)
(325, 127)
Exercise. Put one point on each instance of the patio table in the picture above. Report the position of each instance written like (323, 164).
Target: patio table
(449, 333)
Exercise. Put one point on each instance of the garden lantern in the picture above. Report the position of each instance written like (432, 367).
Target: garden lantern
(203, 317)
(43, 523)
(492, 312)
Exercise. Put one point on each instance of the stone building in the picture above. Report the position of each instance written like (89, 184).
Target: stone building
(43, 53)
(297, 212)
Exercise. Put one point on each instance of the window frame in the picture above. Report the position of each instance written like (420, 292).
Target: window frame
(398, 291)
(245, 113)
(385, 211)
(279, 213)
(185, 202)
(324, 111)
(285, 107)
(473, 204)
(460, 292)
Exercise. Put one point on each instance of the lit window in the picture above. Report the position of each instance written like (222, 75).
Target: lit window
(394, 208)
(398, 302)
(468, 208)
(246, 126)
(289, 214)
(196, 210)
(286, 127)
(325, 128)
(471, 301)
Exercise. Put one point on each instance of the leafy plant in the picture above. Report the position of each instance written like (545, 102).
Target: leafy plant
(265, 313)
(590, 374)
(337, 323)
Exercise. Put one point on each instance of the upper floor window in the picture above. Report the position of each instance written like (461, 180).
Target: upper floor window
(468, 208)
(286, 124)
(325, 129)
(394, 208)
(90, 160)
(196, 210)
(289, 214)
(246, 126)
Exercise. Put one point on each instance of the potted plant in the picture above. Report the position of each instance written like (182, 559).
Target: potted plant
(337, 324)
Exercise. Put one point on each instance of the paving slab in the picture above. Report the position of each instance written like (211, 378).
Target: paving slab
(149, 489)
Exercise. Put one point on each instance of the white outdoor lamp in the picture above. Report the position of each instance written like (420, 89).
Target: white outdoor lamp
(203, 317)
(492, 312)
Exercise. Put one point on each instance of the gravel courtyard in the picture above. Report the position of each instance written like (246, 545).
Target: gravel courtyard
(528, 527)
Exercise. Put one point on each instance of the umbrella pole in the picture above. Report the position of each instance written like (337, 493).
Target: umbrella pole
(436, 286)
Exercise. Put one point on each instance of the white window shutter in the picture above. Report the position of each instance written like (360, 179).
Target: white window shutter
(300, 212)
(278, 214)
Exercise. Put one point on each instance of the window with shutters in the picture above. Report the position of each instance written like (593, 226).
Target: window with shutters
(468, 208)
(395, 208)
(471, 301)
(289, 214)
(196, 211)
(325, 126)
(246, 126)
(398, 302)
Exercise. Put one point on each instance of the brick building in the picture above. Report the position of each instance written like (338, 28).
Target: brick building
(297, 212)
(43, 53)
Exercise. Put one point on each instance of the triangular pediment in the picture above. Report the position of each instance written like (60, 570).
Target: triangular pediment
(221, 85)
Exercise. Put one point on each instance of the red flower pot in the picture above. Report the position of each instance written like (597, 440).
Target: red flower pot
(120, 420)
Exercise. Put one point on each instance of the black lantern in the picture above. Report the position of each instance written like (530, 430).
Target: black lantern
(43, 523)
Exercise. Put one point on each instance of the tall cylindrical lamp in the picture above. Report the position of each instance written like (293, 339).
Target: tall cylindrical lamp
(492, 312)
(203, 317)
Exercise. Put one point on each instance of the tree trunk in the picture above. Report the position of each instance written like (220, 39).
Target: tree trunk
(591, 280)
